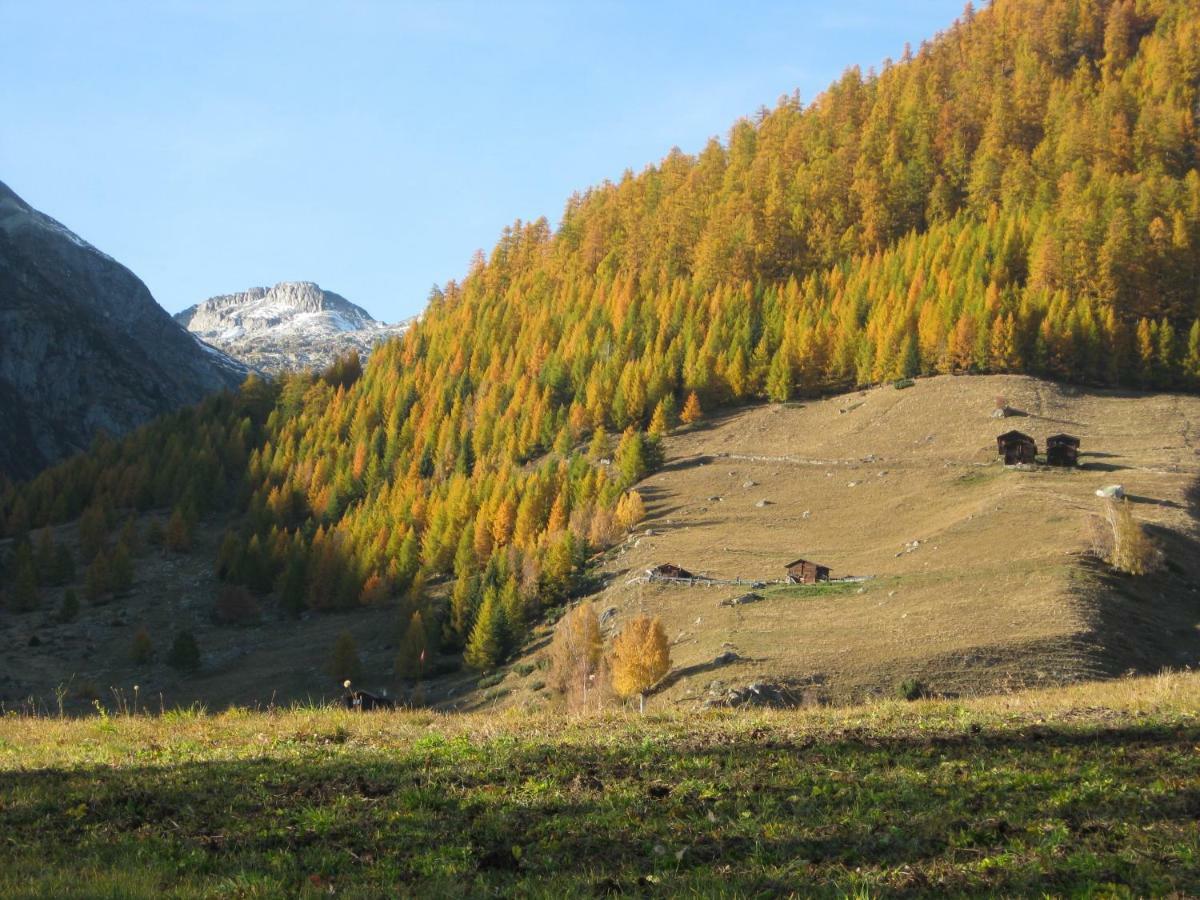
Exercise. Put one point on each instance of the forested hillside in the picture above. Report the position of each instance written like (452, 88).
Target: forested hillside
(1019, 195)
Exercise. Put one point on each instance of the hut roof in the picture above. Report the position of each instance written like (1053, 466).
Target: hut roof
(1063, 439)
(1013, 435)
(800, 562)
(669, 569)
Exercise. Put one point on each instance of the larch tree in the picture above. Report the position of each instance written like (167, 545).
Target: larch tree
(640, 657)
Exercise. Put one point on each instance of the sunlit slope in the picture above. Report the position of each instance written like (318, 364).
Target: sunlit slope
(998, 590)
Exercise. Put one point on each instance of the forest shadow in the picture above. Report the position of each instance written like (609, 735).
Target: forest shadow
(456, 810)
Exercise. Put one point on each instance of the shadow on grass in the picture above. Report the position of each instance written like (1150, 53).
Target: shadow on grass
(1150, 622)
(746, 811)
(1152, 501)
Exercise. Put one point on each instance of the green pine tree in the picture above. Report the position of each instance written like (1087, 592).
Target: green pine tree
(344, 662)
(485, 648)
(412, 656)
(68, 610)
(120, 570)
(25, 594)
(184, 654)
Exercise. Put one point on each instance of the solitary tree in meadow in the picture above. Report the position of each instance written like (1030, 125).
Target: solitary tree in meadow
(641, 656)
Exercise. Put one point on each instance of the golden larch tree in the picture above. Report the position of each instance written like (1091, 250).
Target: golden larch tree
(641, 656)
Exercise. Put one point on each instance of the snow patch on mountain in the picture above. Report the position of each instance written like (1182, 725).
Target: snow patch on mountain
(293, 325)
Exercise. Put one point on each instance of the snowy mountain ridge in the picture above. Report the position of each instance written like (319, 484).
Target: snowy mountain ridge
(293, 325)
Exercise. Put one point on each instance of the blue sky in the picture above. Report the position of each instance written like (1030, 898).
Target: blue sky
(373, 146)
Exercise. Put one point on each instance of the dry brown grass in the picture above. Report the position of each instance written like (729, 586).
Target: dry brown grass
(995, 595)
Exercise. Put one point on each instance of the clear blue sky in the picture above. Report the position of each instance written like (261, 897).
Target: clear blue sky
(213, 145)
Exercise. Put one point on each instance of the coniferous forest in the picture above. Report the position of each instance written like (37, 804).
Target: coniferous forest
(1019, 194)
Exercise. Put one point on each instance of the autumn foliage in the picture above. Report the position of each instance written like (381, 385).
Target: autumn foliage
(1019, 195)
(577, 659)
(641, 656)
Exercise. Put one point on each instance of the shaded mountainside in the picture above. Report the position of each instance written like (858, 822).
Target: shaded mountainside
(293, 325)
(83, 345)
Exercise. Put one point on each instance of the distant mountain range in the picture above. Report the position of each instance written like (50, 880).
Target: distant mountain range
(83, 345)
(293, 325)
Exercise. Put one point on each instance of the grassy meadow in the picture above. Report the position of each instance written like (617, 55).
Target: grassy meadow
(1089, 790)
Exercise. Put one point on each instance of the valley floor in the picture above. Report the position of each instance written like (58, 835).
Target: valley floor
(1082, 790)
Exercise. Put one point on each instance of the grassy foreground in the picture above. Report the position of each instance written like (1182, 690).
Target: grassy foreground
(1086, 790)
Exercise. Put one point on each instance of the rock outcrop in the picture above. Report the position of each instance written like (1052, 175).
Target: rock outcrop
(83, 345)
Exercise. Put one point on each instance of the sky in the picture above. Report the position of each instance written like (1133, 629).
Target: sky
(373, 146)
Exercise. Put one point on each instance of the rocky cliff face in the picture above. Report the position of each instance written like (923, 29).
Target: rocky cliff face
(83, 345)
(293, 325)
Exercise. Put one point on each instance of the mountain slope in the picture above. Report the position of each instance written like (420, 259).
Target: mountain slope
(83, 345)
(1021, 195)
(979, 578)
(293, 325)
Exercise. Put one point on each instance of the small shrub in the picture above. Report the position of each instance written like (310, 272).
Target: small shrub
(1123, 543)
(524, 669)
(491, 680)
(344, 662)
(537, 686)
(911, 689)
(86, 691)
(576, 655)
(155, 534)
(185, 653)
(97, 583)
(902, 383)
(179, 533)
(68, 610)
(235, 606)
(121, 570)
(142, 649)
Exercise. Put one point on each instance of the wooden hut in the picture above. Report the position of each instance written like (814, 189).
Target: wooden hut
(668, 570)
(804, 572)
(1016, 447)
(1062, 450)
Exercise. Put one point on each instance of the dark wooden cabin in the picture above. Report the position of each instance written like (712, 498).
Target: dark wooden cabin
(804, 572)
(669, 570)
(1016, 447)
(1062, 450)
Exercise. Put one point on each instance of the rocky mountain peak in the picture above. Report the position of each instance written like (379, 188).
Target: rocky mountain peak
(293, 325)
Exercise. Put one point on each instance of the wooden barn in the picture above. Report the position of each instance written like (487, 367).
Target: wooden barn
(668, 570)
(1016, 447)
(1062, 450)
(804, 572)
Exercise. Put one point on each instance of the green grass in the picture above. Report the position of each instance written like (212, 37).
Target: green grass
(1083, 791)
(812, 591)
(976, 477)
